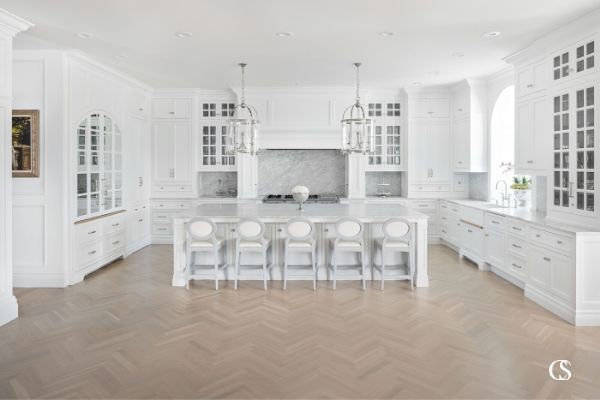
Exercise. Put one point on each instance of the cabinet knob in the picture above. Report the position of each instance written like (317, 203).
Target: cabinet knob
(460, 109)
(140, 220)
(279, 230)
(529, 161)
(91, 232)
(547, 259)
(92, 252)
(232, 230)
(172, 112)
(530, 85)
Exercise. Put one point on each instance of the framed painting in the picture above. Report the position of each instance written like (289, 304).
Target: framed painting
(25, 143)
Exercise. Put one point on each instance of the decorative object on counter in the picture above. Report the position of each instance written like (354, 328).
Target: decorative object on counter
(521, 188)
(326, 198)
(300, 194)
(358, 132)
(381, 188)
(25, 143)
(507, 167)
(242, 133)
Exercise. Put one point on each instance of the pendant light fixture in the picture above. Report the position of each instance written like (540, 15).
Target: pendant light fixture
(357, 130)
(242, 132)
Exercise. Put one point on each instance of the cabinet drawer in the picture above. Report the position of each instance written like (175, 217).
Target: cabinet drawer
(472, 215)
(431, 187)
(453, 209)
(114, 243)
(557, 242)
(424, 204)
(113, 225)
(517, 228)
(171, 205)
(517, 266)
(495, 222)
(88, 232)
(162, 229)
(162, 217)
(516, 245)
(88, 254)
(172, 188)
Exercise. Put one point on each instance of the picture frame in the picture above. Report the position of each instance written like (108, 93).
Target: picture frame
(25, 143)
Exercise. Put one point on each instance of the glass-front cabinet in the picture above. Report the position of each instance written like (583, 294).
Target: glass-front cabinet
(388, 154)
(574, 150)
(213, 130)
(99, 166)
(574, 61)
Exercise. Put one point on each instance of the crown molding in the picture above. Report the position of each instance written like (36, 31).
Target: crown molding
(12, 24)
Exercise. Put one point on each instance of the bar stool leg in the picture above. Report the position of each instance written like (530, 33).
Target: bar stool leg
(362, 261)
(334, 256)
(314, 265)
(216, 255)
(265, 270)
(382, 267)
(285, 268)
(237, 268)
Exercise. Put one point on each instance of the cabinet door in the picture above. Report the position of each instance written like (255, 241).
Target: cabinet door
(420, 148)
(163, 108)
(138, 158)
(182, 152)
(454, 230)
(494, 248)
(461, 143)
(524, 80)
(440, 108)
(524, 157)
(539, 267)
(439, 153)
(182, 108)
(465, 237)
(562, 273)
(163, 151)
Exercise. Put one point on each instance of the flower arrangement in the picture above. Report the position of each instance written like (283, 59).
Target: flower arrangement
(521, 183)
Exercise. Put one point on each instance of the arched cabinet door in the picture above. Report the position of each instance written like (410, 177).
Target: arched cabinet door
(99, 166)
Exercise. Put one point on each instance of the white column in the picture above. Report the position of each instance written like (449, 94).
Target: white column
(355, 171)
(10, 25)
(247, 175)
(422, 278)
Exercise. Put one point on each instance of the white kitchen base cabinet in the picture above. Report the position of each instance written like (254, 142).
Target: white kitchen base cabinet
(98, 242)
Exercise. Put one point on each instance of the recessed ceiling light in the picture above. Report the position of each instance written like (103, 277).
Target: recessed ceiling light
(417, 83)
(283, 34)
(491, 34)
(84, 35)
(119, 57)
(386, 34)
(183, 35)
(458, 54)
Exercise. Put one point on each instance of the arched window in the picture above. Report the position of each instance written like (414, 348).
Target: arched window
(99, 169)
(502, 140)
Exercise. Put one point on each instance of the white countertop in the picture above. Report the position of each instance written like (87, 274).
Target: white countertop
(535, 217)
(316, 212)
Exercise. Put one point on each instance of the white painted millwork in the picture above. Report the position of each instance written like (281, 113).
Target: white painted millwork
(10, 25)
(531, 133)
(431, 169)
(173, 159)
(172, 108)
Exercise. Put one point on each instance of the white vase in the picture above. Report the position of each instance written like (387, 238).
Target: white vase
(521, 195)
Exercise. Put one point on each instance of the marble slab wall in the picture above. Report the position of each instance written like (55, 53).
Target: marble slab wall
(541, 196)
(478, 186)
(322, 171)
(374, 180)
(211, 184)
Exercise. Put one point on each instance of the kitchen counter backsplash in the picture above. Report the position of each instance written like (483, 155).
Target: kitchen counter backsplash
(388, 182)
(322, 171)
(478, 186)
(217, 184)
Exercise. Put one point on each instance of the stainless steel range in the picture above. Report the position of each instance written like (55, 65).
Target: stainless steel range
(326, 198)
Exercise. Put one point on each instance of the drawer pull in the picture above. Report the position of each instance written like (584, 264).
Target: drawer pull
(162, 229)
(547, 259)
(517, 229)
(92, 252)
(470, 231)
(141, 219)
(516, 266)
(529, 161)
(495, 222)
(486, 235)
(516, 246)
(233, 230)
(537, 235)
(443, 231)
(117, 242)
(117, 224)
(559, 242)
(91, 232)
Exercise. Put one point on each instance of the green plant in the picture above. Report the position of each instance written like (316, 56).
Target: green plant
(521, 183)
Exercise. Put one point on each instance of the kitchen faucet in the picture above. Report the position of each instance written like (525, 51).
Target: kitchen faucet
(505, 195)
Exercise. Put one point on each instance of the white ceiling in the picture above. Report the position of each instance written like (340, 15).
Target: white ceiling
(328, 35)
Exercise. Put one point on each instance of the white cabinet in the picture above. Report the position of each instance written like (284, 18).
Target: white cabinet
(532, 78)
(138, 227)
(471, 241)
(574, 61)
(389, 148)
(139, 104)
(494, 240)
(172, 108)
(138, 164)
(162, 214)
(531, 135)
(172, 157)
(432, 108)
(469, 127)
(212, 148)
(552, 273)
(431, 167)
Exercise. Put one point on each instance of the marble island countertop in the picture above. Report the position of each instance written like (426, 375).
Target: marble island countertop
(316, 212)
(535, 217)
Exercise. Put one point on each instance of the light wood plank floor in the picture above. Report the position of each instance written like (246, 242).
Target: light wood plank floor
(126, 333)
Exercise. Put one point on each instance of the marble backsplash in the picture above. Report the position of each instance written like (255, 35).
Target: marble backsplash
(322, 171)
(374, 181)
(478, 186)
(212, 184)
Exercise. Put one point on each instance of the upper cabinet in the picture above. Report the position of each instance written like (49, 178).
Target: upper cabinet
(469, 129)
(214, 116)
(139, 104)
(574, 61)
(531, 135)
(172, 108)
(431, 108)
(389, 136)
(172, 158)
(532, 78)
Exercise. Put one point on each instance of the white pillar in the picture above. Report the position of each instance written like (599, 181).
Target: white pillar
(10, 25)
(247, 175)
(355, 175)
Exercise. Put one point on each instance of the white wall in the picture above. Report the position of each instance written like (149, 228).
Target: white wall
(39, 245)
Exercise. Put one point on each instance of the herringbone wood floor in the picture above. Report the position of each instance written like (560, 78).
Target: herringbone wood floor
(126, 333)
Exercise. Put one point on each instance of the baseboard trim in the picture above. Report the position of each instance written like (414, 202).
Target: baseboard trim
(132, 248)
(508, 277)
(9, 308)
(39, 280)
(550, 304)
(587, 318)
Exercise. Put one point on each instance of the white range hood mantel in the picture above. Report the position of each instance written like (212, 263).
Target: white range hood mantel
(300, 117)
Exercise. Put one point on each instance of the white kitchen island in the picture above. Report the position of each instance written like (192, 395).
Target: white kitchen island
(275, 216)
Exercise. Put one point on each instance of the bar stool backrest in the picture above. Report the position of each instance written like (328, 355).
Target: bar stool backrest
(349, 228)
(250, 229)
(396, 228)
(300, 229)
(200, 228)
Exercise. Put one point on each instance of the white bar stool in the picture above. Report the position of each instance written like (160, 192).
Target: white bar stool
(201, 238)
(398, 237)
(300, 239)
(348, 239)
(251, 239)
